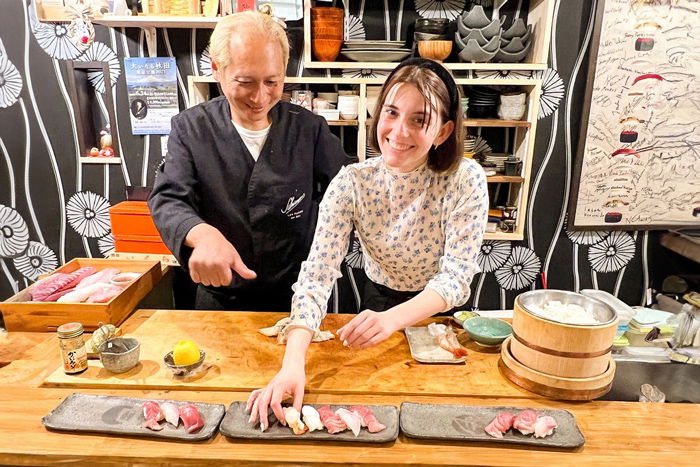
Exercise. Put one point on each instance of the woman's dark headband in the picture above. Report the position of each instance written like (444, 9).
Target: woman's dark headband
(441, 73)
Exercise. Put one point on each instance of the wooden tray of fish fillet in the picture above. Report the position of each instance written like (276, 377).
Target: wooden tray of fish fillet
(467, 423)
(235, 425)
(124, 416)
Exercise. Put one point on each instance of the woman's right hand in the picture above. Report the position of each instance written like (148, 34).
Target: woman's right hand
(289, 381)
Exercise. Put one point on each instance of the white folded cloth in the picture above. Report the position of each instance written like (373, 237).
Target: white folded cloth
(281, 329)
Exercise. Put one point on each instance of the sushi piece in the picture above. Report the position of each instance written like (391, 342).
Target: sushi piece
(525, 421)
(172, 415)
(190, 418)
(544, 426)
(500, 424)
(449, 342)
(332, 422)
(351, 419)
(311, 418)
(293, 419)
(153, 414)
(368, 419)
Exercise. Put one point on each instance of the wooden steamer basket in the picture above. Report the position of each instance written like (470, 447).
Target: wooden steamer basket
(559, 360)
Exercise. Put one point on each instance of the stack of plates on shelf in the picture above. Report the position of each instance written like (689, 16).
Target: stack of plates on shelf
(498, 159)
(375, 51)
(469, 143)
(483, 102)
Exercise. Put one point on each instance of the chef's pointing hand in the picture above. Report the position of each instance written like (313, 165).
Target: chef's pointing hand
(214, 258)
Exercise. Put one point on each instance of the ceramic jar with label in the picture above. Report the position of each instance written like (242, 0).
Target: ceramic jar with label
(70, 338)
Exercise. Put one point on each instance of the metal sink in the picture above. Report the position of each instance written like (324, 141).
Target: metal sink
(679, 381)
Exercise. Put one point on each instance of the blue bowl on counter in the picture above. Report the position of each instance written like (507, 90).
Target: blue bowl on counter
(487, 331)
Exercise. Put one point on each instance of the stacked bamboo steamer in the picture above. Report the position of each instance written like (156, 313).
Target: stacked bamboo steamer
(556, 359)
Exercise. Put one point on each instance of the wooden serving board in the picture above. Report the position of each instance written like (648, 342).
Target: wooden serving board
(235, 425)
(241, 359)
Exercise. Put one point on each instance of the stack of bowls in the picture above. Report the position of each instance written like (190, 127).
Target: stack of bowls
(559, 359)
(512, 106)
(515, 43)
(478, 38)
(432, 39)
(483, 102)
(326, 32)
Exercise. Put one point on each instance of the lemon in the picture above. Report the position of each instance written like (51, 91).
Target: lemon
(185, 352)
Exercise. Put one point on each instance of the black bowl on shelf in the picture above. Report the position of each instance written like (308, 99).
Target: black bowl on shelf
(481, 111)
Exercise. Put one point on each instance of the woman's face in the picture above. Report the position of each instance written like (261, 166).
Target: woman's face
(403, 138)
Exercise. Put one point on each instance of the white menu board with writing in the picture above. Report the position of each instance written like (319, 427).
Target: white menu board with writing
(638, 165)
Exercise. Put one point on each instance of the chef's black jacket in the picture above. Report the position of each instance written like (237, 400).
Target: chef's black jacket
(266, 209)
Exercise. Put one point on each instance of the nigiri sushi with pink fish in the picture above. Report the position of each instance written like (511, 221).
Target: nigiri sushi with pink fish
(190, 418)
(153, 414)
(332, 422)
(544, 426)
(525, 421)
(500, 424)
(368, 419)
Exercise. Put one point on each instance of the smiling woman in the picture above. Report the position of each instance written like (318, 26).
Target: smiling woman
(419, 211)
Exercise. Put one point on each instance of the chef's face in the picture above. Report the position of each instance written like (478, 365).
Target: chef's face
(404, 137)
(254, 79)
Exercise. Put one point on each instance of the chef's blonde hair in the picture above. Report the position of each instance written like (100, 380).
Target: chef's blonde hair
(246, 22)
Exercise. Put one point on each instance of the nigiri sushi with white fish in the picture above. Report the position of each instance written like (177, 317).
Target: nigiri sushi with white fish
(311, 418)
(293, 419)
(351, 419)
(544, 426)
(172, 414)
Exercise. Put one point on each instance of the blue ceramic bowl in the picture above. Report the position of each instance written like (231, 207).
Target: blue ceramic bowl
(487, 331)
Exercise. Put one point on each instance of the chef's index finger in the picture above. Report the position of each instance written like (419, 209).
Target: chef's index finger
(276, 405)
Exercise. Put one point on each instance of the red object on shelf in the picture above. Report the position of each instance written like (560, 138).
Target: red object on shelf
(245, 5)
(133, 229)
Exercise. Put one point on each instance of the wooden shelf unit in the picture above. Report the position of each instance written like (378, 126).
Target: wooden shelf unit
(540, 15)
(524, 131)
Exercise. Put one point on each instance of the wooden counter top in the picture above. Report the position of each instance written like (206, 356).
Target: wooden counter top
(624, 433)
(242, 359)
(619, 433)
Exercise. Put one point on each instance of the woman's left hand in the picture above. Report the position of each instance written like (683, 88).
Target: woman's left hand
(367, 329)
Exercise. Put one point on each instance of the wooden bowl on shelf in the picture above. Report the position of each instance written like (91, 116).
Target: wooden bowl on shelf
(435, 50)
(327, 12)
(326, 50)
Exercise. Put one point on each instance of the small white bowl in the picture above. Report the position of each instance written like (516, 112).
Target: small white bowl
(329, 114)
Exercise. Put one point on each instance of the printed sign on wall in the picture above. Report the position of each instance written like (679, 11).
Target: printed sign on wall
(638, 165)
(152, 87)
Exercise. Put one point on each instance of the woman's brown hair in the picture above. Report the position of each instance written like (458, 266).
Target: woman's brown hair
(436, 86)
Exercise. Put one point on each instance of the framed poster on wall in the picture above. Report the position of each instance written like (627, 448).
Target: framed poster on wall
(638, 160)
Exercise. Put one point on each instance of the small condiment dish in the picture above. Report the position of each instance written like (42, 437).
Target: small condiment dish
(120, 354)
(183, 370)
(461, 316)
(487, 331)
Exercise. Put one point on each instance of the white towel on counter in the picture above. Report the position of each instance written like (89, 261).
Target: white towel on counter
(281, 329)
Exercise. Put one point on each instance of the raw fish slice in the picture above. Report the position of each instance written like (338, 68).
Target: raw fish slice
(368, 419)
(56, 295)
(544, 426)
(500, 424)
(103, 275)
(293, 419)
(48, 285)
(311, 418)
(79, 275)
(191, 418)
(332, 422)
(172, 415)
(79, 295)
(525, 421)
(153, 414)
(351, 419)
(104, 294)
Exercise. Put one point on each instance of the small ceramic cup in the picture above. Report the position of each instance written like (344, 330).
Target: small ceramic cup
(348, 105)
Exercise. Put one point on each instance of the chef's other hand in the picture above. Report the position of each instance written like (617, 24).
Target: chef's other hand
(213, 257)
(367, 329)
(289, 381)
